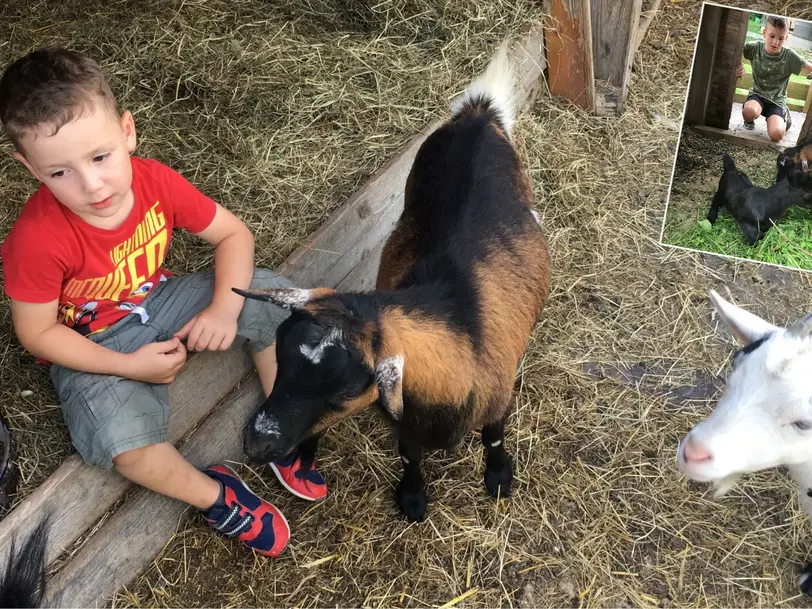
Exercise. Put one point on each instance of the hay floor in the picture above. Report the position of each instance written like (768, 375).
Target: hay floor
(280, 112)
(697, 171)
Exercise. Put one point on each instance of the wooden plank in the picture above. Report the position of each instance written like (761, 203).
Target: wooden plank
(806, 128)
(722, 86)
(750, 139)
(77, 494)
(344, 253)
(569, 52)
(699, 87)
(807, 99)
(646, 18)
(614, 33)
(149, 519)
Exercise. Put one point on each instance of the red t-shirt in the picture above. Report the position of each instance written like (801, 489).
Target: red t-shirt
(100, 275)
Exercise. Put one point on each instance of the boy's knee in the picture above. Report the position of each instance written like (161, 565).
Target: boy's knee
(776, 133)
(750, 112)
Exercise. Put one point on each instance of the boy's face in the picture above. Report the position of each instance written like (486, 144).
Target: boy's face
(86, 164)
(774, 38)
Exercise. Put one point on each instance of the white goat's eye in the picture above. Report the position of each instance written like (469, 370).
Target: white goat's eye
(802, 425)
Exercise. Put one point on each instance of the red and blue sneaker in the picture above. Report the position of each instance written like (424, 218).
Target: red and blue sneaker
(240, 513)
(305, 483)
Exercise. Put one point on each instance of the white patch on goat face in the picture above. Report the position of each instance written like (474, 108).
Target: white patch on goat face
(266, 426)
(316, 352)
(764, 418)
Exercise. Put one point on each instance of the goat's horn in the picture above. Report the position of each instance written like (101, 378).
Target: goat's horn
(802, 328)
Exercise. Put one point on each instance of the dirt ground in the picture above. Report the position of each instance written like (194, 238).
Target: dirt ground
(281, 110)
(697, 171)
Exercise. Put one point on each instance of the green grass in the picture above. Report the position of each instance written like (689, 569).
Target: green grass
(698, 167)
(788, 244)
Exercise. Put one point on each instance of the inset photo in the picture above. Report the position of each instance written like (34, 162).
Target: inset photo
(741, 185)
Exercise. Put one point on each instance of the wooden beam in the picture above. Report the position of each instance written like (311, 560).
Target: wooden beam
(614, 34)
(807, 126)
(343, 253)
(646, 18)
(699, 86)
(748, 139)
(722, 87)
(569, 52)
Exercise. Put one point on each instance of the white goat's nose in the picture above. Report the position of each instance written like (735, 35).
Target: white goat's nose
(694, 451)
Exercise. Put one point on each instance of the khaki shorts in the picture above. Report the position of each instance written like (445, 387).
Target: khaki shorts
(108, 415)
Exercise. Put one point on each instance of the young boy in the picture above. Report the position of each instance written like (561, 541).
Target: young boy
(772, 66)
(82, 267)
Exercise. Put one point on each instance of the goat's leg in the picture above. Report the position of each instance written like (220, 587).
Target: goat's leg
(307, 451)
(498, 465)
(411, 492)
(718, 199)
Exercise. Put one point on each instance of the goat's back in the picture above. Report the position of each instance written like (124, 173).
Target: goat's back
(467, 236)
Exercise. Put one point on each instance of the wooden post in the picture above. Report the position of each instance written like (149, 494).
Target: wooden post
(699, 87)
(614, 42)
(806, 128)
(722, 87)
(569, 52)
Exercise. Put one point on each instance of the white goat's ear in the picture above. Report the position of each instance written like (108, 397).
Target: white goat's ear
(746, 326)
(389, 378)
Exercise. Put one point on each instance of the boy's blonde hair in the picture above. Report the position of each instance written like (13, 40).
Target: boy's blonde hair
(50, 86)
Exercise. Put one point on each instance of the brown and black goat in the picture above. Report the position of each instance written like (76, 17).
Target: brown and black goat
(793, 164)
(461, 284)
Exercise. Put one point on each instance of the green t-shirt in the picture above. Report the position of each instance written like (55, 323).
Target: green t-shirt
(771, 72)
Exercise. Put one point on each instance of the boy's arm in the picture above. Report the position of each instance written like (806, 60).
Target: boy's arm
(216, 327)
(39, 333)
(233, 258)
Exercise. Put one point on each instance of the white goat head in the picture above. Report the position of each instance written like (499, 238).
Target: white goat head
(764, 418)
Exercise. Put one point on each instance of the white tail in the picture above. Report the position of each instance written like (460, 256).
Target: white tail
(494, 91)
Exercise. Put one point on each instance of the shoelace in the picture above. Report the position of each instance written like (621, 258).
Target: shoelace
(229, 525)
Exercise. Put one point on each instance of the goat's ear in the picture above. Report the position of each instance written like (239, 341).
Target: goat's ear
(746, 326)
(293, 299)
(389, 379)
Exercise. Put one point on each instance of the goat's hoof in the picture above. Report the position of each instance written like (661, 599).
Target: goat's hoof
(412, 501)
(805, 581)
(498, 477)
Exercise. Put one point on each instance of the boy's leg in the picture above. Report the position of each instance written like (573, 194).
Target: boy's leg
(121, 422)
(751, 110)
(181, 298)
(777, 121)
(776, 127)
(161, 468)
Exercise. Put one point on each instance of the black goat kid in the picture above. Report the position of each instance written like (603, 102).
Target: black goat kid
(754, 209)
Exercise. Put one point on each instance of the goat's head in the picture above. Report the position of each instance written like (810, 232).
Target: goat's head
(764, 418)
(332, 362)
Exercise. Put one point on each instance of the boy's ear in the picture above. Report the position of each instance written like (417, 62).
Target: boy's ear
(128, 127)
(28, 166)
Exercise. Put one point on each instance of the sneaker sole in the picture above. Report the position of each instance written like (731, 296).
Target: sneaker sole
(281, 515)
(291, 489)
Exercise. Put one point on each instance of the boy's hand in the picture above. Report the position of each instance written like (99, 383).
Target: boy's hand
(157, 362)
(740, 69)
(214, 329)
